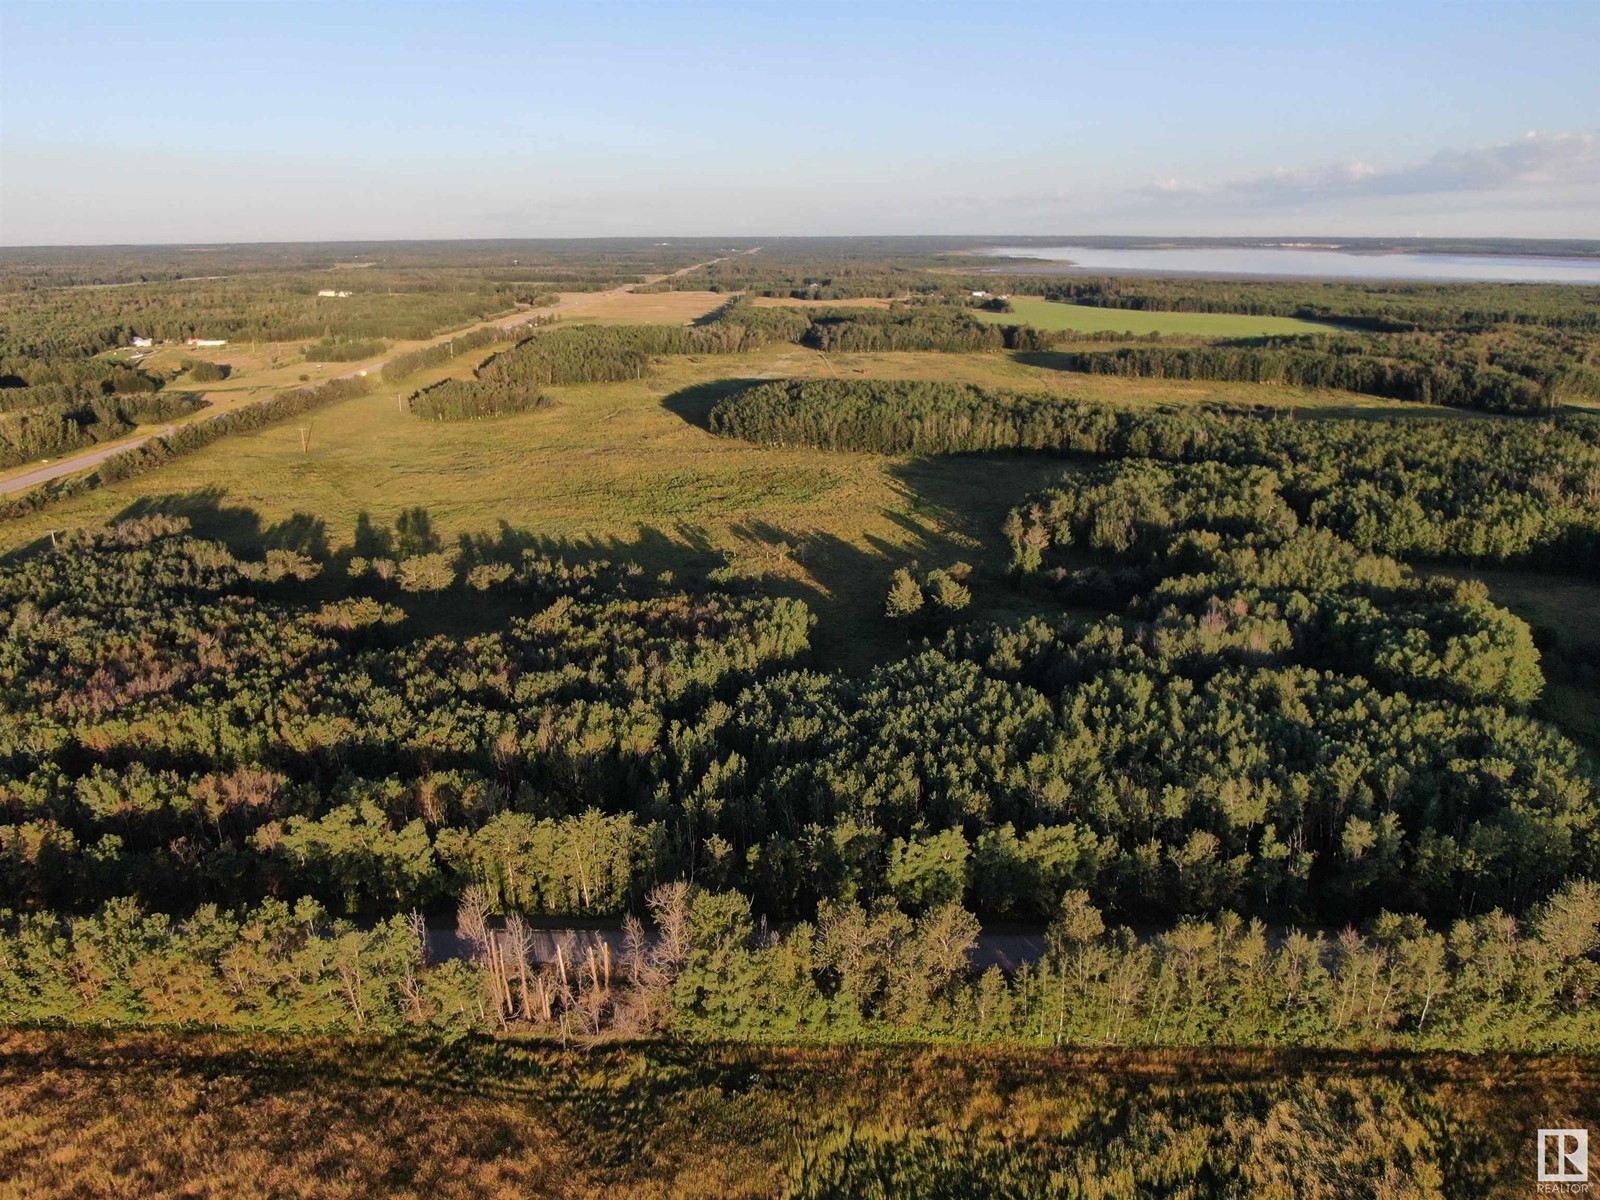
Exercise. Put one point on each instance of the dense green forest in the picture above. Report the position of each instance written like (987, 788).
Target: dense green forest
(1381, 307)
(1260, 773)
(997, 769)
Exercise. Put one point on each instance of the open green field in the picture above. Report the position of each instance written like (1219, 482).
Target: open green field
(1084, 318)
(626, 470)
(166, 1114)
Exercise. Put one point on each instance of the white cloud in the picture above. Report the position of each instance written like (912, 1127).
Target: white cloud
(1537, 161)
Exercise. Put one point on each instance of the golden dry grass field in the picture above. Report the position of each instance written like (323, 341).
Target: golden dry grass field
(95, 1116)
(648, 308)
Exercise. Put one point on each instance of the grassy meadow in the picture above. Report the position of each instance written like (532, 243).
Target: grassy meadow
(1085, 318)
(89, 1114)
(627, 470)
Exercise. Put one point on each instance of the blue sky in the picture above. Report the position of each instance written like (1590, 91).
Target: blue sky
(220, 121)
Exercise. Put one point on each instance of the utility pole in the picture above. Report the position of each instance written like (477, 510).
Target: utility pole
(305, 438)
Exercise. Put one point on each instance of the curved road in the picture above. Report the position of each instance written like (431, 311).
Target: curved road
(93, 458)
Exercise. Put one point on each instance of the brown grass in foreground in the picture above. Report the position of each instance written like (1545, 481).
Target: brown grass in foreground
(137, 1115)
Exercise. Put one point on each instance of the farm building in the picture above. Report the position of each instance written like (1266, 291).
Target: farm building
(205, 341)
(143, 341)
(331, 292)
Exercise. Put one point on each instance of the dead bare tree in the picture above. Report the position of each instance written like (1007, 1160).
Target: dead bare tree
(518, 953)
(411, 982)
(564, 995)
(472, 923)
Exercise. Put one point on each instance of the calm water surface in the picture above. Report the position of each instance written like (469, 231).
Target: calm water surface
(1310, 263)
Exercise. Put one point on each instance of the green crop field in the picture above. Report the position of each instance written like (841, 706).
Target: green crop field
(1084, 318)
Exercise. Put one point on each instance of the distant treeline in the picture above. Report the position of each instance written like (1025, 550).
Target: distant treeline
(1478, 491)
(1490, 346)
(512, 381)
(1515, 371)
(609, 353)
(1510, 371)
(804, 278)
(1382, 307)
(902, 327)
(1371, 367)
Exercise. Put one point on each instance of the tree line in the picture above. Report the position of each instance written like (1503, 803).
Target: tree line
(403, 365)
(511, 381)
(705, 969)
(1384, 307)
(338, 350)
(196, 434)
(1428, 374)
(1473, 491)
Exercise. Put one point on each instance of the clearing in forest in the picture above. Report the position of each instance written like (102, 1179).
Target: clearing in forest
(1085, 318)
(647, 308)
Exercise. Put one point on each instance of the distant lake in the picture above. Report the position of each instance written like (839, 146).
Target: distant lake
(1295, 262)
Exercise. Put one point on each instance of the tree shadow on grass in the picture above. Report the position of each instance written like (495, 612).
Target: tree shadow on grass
(950, 509)
(694, 403)
(238, 527)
